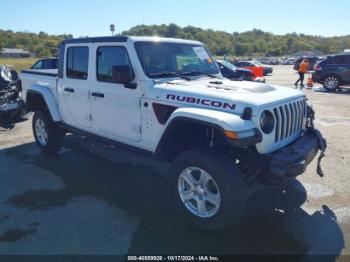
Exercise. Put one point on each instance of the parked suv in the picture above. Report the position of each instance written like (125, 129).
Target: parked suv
(333, 71)
(166, 98)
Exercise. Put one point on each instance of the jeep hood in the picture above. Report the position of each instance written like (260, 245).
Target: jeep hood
(222, 92)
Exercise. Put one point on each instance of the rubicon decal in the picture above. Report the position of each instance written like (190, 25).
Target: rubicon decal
(198, 101)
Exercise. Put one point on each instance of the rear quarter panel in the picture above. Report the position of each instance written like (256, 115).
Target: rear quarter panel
(30, 79)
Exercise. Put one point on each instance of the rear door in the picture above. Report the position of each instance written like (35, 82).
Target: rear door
(340, 65)
(346, 70)
(73, 89)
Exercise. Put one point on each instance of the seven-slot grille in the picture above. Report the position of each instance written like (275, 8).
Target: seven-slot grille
(290, 119)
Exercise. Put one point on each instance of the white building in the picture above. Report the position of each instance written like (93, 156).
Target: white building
(14, 53)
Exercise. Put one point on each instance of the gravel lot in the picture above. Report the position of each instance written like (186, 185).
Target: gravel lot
(96, 199)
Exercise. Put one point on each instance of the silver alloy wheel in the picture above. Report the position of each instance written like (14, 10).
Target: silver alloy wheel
(199, 192)
(41, 131)
(331, 82)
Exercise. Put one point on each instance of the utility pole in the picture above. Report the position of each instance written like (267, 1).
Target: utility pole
(112, 28)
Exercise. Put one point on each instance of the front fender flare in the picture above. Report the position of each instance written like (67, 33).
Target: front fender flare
(221, 121)
(49, 99)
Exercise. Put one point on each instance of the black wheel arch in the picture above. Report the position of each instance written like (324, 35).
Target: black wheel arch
(183, 132)
(36, 101)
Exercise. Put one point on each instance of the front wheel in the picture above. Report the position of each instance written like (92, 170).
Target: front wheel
(331, 83)
(208, 189)
(48, 136)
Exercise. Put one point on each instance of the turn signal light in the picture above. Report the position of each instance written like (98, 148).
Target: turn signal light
(231, 134)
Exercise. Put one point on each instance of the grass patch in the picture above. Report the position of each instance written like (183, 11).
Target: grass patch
(18, 63)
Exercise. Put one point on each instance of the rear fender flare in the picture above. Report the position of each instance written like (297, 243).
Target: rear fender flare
(48, 98)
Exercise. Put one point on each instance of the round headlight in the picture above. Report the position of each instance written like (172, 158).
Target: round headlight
(267, 122)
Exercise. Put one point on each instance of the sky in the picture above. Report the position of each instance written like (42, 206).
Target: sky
(92, 17)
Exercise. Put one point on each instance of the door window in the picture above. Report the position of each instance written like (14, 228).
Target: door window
(107, 58)
(337, 60)
(50, 64)
(78, 62)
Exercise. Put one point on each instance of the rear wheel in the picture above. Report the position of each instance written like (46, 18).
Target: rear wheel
(48, 136)
(208, 189)
(331, 82)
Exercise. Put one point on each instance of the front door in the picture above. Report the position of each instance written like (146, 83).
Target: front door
(115, 108)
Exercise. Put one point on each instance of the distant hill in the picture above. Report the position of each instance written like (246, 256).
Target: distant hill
(255, 42)
(41, 44)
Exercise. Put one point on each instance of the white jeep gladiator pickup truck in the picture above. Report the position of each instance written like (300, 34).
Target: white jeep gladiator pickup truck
(166, 97)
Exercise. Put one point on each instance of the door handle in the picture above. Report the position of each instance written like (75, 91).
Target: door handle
(69, 90)
(96, 94)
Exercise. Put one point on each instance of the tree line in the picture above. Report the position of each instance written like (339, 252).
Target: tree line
(42, 44)
(255, 42)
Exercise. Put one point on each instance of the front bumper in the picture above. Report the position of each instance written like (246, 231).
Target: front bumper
(268, 71)
(12, 109)
(283, 166)
(292, 161)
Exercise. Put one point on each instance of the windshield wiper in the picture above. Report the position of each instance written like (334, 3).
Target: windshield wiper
(166, 73)
(198, 72)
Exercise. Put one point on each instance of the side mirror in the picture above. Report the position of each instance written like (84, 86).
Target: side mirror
(122, 74)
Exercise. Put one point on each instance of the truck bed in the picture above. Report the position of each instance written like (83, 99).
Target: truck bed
(45, 77)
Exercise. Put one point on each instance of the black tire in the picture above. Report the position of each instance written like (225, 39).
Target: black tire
(228, 179)
(331, 82)
(54, 133)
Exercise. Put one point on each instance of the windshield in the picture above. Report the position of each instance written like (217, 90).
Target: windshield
(228, 65)
(159, 58)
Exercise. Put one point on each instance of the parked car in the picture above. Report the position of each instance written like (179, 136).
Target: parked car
(258, 71)
(333, 71)
(267, 68)
(222, 139)
(232, 72)
(312, 61)
(256, 66)
(268, 60)
(264, 60)
(45, 63)
(288, 61)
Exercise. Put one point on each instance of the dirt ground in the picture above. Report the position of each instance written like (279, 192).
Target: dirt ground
(95, 199)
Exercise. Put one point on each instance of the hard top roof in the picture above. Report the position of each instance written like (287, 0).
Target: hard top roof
(105, 39)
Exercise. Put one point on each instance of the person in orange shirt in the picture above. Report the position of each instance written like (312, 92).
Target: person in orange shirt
(303, 68)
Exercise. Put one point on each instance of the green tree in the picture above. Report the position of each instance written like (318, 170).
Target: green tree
(290, 44)
(42, 51)
(219, 43)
